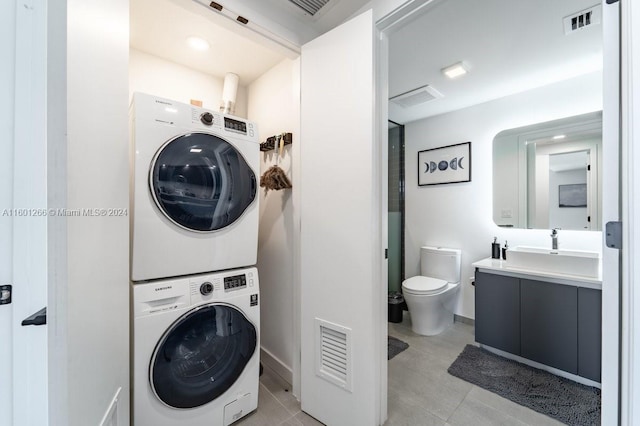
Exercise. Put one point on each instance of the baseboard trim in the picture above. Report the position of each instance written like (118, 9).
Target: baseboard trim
(464, 320)
(110, 417)
(281, 369)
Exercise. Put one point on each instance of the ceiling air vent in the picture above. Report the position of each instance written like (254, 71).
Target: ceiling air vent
(416, 96)
(310, 6)
(333, 354)
(582, 19)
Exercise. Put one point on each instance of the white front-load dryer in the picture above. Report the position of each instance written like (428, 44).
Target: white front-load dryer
(194, 179)
(195, 349)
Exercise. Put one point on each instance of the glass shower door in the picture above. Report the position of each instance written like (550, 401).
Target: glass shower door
(396, 206)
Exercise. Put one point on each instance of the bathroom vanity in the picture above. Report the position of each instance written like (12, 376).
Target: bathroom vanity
(542, 318)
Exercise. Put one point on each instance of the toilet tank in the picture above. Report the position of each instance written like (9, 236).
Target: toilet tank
(441, 263)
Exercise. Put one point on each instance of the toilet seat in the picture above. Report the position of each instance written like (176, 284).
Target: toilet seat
(423, 285)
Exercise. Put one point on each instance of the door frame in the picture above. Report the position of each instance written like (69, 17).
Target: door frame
(618, 394)
(629, 358)
(611, 324)
(383, 27)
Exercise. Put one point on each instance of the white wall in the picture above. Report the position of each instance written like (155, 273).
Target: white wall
(274, 103)
(156, 76)
(97, 292)
(460, 215)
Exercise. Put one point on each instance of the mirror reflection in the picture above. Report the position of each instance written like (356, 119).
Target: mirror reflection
(558, 184)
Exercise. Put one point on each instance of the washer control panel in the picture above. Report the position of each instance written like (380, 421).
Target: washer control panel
(235, 282)
(222, 285)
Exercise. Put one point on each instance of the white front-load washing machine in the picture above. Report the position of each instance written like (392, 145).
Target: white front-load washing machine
(195, 349)
(194, 202)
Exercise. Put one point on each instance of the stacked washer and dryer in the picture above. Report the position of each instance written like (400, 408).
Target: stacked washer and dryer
(195, 326)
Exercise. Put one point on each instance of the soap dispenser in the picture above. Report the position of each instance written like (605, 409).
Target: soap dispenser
(504, 250)
(495, 249)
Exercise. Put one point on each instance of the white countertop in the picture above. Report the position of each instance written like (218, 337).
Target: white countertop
(501, 267)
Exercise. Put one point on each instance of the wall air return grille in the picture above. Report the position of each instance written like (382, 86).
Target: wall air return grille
(310, 6)
(416, 96)
(333, 353)
(582, 19)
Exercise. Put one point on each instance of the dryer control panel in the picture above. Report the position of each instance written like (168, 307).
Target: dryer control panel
(235, 125)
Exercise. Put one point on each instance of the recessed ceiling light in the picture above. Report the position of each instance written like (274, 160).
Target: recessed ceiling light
(197, 43)
(454, 71)
(559, 137)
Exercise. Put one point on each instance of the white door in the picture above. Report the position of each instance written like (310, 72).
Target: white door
(341, 244)
(23, 220)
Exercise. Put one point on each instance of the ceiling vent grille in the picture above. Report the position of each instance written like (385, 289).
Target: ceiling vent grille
(417, 96)
(582, 19)
(333, 353)
(310, 6)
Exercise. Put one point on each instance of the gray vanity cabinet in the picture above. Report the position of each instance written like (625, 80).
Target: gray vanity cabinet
(589, 333)
(558, 325)
(549, 324)
(498, 311)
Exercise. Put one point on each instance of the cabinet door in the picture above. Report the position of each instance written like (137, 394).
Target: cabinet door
(549, 332)
(498, 312)
(589, 333)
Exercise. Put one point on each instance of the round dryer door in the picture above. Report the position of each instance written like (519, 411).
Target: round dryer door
(201, 356)
(201, 182)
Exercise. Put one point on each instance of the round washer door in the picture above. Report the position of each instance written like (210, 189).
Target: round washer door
(201, 182)
(201, 355)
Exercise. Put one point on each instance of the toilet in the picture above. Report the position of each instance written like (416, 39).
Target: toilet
(430, 296)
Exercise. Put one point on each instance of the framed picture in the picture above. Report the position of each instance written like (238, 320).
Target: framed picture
(447, 164)
(572, 195)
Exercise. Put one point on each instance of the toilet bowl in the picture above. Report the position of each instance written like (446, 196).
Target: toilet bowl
(431, 296)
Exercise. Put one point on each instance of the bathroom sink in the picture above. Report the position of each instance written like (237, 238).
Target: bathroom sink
(570, 262)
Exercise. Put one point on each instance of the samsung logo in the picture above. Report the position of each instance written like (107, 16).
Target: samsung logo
(163, 288)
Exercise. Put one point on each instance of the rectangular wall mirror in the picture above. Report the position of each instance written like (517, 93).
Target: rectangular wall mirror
(547, 175)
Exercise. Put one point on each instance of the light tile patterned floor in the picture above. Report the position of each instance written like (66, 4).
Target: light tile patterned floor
(421, 392)
(276, 405)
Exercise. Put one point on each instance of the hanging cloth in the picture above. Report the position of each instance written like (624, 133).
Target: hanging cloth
(275, 178)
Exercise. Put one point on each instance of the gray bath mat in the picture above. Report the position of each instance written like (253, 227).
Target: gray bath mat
(395, 346)
(557, 397)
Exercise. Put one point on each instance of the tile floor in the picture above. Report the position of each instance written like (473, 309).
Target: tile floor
(420, 393)
(276, 405)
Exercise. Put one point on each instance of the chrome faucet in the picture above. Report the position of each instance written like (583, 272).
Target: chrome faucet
(554, 239)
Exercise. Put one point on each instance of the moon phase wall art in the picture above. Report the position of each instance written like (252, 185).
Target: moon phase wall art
(446, 164)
